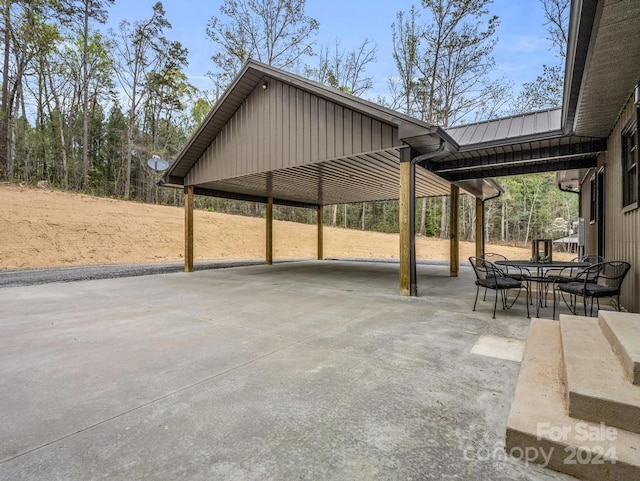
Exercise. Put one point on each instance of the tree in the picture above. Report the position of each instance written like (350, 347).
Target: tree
(556, 14)
(4, 107)
(444, 65)
(88, 10)
(275, 32)
(546, 91)
(138, 48)
(345, 69)
(405, 37)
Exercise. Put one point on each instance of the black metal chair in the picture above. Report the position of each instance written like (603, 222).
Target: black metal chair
(569, 274)
(595, 282)
(518, 273)
(490, 276)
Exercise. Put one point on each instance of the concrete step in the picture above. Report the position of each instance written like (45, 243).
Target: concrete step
(622, 330)
(539, 429)
(597, 388)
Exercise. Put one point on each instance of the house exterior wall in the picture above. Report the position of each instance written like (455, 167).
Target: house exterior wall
(622, 226)
(283, 126)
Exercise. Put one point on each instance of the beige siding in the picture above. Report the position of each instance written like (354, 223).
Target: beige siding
(283, 126)
(622, 229)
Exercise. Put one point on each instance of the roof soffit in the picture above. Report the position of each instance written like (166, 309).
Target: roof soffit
(603, 64)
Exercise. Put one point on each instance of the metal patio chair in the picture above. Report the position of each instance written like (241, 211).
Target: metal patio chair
(490, 276)
(570, 274)
(595, 282)
(517, 273)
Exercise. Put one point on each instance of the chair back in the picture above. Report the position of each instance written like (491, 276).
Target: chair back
(611, 274)
(591, 259)
(484, 269)
(492, 257)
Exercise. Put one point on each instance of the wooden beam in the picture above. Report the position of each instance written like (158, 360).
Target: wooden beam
(188, 228)
(479, 227)
(453, 231)
(405, 228)
(269, 219)
(320, 234)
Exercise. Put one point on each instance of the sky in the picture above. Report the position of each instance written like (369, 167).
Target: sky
(521, 50)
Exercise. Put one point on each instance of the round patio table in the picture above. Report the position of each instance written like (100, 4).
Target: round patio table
(539, 278)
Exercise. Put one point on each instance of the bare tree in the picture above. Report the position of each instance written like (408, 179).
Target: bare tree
(556, 14)
(345, 69)
(405, 36)
(275, 32)
(88, 10)
(444, 65)
(138, 49)
(546, 90)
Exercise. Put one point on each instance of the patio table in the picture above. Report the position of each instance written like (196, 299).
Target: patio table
(539, 278)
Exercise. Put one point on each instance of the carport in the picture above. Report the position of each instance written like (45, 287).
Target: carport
(277, 138)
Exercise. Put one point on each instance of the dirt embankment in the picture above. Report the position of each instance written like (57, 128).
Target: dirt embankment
(45, 228)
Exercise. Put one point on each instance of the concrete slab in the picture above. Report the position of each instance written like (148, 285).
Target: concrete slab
(539, 429)
(597, 389)
(317, 370)
(499, 347)
(622, 330)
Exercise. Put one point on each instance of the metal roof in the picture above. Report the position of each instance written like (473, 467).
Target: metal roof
(530, 126)
(254, 73)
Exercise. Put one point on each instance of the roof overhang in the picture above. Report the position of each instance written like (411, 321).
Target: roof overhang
(521, 144)
(603, 64)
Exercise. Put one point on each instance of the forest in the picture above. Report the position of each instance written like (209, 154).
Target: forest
(84, 106)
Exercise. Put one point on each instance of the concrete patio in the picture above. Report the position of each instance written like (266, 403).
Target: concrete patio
(307, 371)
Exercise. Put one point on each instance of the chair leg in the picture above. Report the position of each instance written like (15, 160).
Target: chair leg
(495, 304)
(485, 295)
(618, 303)
(554, 302)
(476, 301)
(528, 294)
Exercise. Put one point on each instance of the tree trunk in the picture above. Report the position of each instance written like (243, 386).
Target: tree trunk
(61, 136)
(85, 96)
(423, 217)
(443, 218)
(4, 112)
(503, 220)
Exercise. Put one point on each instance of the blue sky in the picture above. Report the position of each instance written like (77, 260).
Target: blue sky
(521, 51)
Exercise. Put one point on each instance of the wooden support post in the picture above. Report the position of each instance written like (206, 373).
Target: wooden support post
(405, 226)
(269, 219)
(479, 227)
(320, 234)
(454, 234)
(188, 228)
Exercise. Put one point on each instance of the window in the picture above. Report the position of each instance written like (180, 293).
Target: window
(630, 165)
